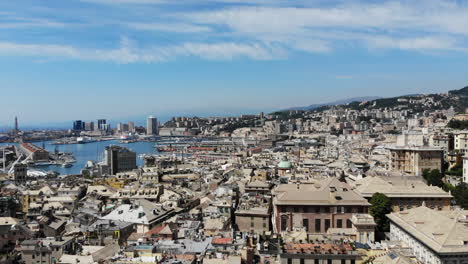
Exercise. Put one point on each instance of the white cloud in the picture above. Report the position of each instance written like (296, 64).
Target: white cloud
(113, 2)
(423, 43)
(174, 27)
(127, 53)
(409, 25)
(264, 29)
(180, 2)
(427, 16)
(20, 22)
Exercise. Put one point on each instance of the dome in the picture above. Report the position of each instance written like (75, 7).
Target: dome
(284, 164)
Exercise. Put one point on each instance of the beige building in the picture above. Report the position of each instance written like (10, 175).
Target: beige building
(461, 141)
(434, 237)
(414, 160)
(316, 207)
(253, 220)
(465, 169)
(34, 152)
(404, 192)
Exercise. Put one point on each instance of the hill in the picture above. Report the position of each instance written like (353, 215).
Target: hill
(415, 103)
(338, 102)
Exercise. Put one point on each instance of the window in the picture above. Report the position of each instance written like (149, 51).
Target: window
(329, 261)
(349, 224)
(284, 223)
(296, 209)
(318, 225)
(339, 223)
(343, 261)
(283, 209)
(360, 209)
(327, 224)
(252, 224)
(264, 225)
(353, 261)
(289, 261)
(316, 261)
(305, 223)
(302, 261)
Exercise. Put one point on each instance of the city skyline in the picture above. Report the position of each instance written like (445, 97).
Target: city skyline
(121, 59)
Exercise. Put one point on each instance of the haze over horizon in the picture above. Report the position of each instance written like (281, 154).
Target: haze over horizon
(117, 59)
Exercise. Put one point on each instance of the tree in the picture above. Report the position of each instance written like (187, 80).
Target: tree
(458, 124)
(460, 194)
(433, 177)
(380, 207)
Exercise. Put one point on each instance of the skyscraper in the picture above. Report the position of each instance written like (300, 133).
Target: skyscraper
(102, 124)
(119, 127)
(89, 126)
(78, 125)
(131, 127)
(16, 124)
(152, 127)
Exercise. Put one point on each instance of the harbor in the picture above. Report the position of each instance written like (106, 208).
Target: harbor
(81, 154)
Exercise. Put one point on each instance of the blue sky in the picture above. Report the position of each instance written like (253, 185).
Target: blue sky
(122, 59)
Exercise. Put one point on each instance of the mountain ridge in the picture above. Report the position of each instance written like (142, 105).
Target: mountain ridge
(337, 102)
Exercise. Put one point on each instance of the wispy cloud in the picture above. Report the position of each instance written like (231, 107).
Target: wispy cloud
(426, 16)
(128, 53)
(414, 25)
(259, 29)
(422, 43)
(114, 2)
(11, 21)
(170, 27)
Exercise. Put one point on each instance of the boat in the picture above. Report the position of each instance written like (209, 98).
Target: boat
(127, 141)
(166, 149)
(83, 140)
(67, 165)
(42, 164)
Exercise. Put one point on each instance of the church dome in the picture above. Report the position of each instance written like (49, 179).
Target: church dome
(284, 164)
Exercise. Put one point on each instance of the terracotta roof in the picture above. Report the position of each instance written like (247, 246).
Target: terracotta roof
(221, 240)
(311, 248)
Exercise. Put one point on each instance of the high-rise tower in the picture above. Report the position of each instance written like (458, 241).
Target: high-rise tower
(152, 127)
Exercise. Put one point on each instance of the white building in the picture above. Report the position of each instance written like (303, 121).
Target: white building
(465, 169)
(434, 237)
(144, 214)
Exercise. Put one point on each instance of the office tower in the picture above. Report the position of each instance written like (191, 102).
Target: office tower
(120, 159)
(89, 126)
(124, 127)
(16, 124)
(119, 127)
(131, 127)
(152, 127)
(78, 125)
(102, 124)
